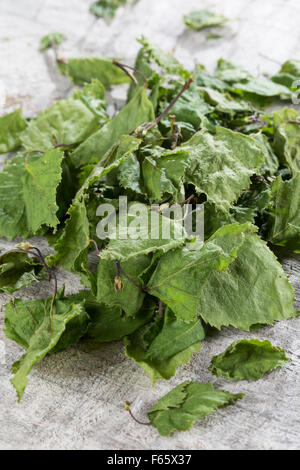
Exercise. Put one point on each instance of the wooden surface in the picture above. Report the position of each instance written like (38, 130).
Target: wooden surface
(75, 399)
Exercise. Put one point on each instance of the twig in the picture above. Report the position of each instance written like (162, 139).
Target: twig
(161, 307)
(124, 67)
(156, 121)
(33, 151)
(175, 132)
(96, 246)
(188, 200)
(53, 299)
(67, 146)
(120, 271)
(127, 407)
(43, 262)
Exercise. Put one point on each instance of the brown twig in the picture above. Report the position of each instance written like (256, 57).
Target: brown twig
(127, 407)
(156, 121)
(161, 308)
(67, 146)
(175, 132)
(53, 299)
(120, 271)
(33, 151)
(96, 246)
(188, 200)
(124, 67)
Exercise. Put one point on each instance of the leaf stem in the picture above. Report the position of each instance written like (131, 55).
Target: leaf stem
(124, 67)
(120, 271)
(33, 151)
(161, 308)
(127, 407)
(175, 131)
(96, 246)
(185, 87)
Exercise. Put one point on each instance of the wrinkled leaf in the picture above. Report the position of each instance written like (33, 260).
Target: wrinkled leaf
(66, 122)
(221, 165)
(127, 296)
(284, 224)
(248, 360)
(18, 270)
(107, 8)
(186, 403)
(41, 179)
(137, 111)
(110, 324)
(202, 19)
(182, 275)
(287, 137)
(161, 346)
(11, 127)
(51, 39)
(28, 323)
(83, 70)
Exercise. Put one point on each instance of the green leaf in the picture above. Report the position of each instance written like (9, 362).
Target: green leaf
(40, 181)
(191, 107)
(129, 174)
(224, 102)
(51, 39)
(12, 207)
(251, 203)
(182, 275)
(288, 74)
(93, 97)
(83, 70)
(292, 67)
(128, 297)
(186, 403)
(231, 73)
(126, 246)
(221, 165)
(215, 282)
(137, 111)
(11, 127)
(18, 270)
(204, 79)
(287, 137)
(110, 324)
(253, 290)
(28, 193)
(271, 163)
(28, 323)
(264, 88)
(72, 246)
(160, 347)
(107, 8)
(67, 122)
(165, 60)
(248, 360)
(200, 19)
(163, 173)
(284, 210)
